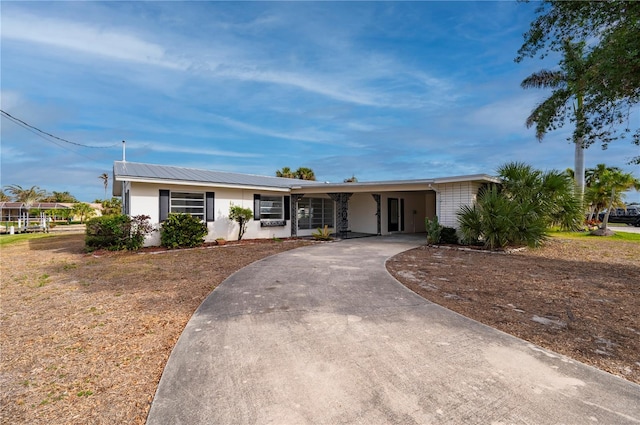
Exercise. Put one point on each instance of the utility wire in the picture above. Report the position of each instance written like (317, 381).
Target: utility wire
(58, 144)
(22, 123)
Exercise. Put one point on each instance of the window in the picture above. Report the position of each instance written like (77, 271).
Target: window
(315, 213)
(188, 202)
(271, 208)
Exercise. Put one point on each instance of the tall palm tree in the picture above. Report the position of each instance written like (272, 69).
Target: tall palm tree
(569, 85)
(105, 179)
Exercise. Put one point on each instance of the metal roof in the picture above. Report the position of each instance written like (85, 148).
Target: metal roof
(134, 171)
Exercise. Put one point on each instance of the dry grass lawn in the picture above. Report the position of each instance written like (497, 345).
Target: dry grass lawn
(85, 337)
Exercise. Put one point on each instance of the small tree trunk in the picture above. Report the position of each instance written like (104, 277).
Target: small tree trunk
(579, 168)
(606, 216)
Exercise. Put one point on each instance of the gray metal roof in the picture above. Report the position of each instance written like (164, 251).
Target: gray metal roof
(134, 170)
(124, 171)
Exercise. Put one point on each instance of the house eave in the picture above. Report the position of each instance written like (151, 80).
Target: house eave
(122, 178)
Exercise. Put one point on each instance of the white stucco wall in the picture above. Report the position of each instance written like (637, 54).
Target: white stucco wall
(144, 198)
(451, 197)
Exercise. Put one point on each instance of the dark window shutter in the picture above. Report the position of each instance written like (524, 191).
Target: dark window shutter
(287, 207)
(256, 207)
(402, 215)
(164, 204)
(208, 208)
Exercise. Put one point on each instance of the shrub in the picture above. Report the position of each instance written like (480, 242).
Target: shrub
(241, 216)
(433, 230)
(182, 231)
(322, 234)
(521, 209)
(116, 232)
(448, 235)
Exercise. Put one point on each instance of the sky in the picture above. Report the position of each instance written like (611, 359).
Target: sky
(375, 90)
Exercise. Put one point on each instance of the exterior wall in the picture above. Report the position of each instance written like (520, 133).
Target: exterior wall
(362, 213)
(451, 197)
(145, 200)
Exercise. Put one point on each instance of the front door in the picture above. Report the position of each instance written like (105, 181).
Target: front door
(393, 215)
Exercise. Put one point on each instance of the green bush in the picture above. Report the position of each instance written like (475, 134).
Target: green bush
(116, 232)
(182, 231)
(448, 235)
(521, 209)
(433, 230)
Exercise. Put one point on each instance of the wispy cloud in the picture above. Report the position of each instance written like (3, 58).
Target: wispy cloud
(199, 150)
(106, 42)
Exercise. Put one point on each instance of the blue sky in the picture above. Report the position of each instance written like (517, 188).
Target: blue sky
(378, 90)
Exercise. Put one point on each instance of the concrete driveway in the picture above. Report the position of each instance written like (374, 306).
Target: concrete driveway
(324, 335)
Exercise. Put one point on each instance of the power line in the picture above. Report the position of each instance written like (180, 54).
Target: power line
(60, 145)
(23, 124)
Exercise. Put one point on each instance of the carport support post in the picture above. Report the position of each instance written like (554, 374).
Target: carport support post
(376, 196)
(294, 213)
(342, 201)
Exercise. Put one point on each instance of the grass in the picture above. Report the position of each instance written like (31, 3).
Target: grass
(10, 239)
(618, 236)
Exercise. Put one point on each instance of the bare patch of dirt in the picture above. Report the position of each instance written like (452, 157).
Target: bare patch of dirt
(575, 297)
(85, 337)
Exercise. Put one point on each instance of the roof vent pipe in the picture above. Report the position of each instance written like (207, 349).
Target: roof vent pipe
(123, 152)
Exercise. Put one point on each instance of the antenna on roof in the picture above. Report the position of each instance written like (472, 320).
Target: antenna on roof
(124, 151)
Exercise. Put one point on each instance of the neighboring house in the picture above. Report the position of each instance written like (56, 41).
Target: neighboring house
(14, 211)
(290, 207)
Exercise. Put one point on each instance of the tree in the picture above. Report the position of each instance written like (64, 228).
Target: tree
(596, 195)
(241, 216)
(352, 179)
(4, 197)
(568, 85)
(60, 197)
(611, 30)
(111, 206)
(302, 173)
(28, 196)
(286, 173)
(105, 180)
(613, 182)
(83, 210)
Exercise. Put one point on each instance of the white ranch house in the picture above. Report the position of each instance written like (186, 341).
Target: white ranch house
(290, 207)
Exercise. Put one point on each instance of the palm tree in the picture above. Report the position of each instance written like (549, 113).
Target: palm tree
(596, 195)
(568, 84)
(83, 210)
(304, 173)
(28, 196)
(286, 173)
(614, 182)
(105, 179)
(4, 197)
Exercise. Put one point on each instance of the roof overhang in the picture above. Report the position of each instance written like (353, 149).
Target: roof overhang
(134, 179)
(392, 186)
